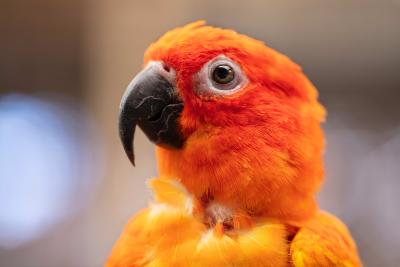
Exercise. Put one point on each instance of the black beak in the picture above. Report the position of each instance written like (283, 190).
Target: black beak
(152, 102)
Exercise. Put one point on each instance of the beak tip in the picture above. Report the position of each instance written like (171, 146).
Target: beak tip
(126, 133)
(131, 156)
(132, 159)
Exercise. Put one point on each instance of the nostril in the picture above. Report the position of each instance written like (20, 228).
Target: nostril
(167, 72)
(166, 67)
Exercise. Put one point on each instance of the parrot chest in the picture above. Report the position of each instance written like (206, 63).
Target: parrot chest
(175, 231)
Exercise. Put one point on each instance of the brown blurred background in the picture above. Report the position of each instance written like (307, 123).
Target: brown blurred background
(66, 187)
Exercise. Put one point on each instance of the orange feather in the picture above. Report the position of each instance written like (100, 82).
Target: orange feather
(170, 233)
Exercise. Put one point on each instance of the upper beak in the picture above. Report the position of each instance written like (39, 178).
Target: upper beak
(152, 102)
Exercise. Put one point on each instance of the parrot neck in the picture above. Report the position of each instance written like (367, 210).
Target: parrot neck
(233, 189)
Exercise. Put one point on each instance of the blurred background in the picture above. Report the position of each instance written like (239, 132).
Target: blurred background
(66, 187)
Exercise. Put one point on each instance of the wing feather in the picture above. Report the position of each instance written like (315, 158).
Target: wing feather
(324, 241)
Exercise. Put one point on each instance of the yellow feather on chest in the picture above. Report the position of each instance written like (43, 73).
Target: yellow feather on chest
(171, 232)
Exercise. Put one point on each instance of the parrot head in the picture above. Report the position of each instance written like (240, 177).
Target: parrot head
(234, 121)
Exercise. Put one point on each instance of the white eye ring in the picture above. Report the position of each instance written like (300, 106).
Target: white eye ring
(206, 85)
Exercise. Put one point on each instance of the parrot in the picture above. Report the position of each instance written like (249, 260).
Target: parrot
(239, 148)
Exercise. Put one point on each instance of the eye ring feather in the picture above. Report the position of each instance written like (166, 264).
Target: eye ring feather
(220, 76)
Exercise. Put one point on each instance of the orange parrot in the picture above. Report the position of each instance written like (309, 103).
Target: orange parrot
(239, 151)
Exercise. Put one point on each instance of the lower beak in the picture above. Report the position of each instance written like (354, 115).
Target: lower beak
(152, 102)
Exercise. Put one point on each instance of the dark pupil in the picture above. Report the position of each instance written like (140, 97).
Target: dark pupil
(223, 74)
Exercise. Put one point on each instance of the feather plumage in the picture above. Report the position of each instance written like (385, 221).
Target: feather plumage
(241, 191)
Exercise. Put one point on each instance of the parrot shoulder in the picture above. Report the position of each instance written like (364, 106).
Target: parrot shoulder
(122, 253)
(324, 241)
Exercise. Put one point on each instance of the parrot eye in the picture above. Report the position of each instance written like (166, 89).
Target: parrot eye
(220, 76)
(223, 74)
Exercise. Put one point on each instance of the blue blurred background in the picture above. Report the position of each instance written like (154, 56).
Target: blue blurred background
(66, 188)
